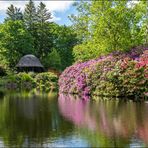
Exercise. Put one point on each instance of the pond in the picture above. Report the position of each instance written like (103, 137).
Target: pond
(52, 121)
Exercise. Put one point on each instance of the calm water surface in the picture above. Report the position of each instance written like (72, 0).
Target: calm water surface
(51, 121)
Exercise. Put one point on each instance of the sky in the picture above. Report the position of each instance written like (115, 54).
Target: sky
(60, 10)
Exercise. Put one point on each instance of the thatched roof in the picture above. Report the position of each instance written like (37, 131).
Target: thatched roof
(29, 61)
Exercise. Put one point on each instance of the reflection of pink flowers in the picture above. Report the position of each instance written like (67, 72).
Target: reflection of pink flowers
(143, 132)
(106, 118)
(74, 109)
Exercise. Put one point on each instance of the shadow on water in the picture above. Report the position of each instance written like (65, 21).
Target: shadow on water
(40, 120)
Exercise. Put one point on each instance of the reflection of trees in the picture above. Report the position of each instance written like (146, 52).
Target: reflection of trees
(30, 120)
(1, 94)
(108, 122)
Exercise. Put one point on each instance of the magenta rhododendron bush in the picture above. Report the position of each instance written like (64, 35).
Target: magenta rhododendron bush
(118, 74)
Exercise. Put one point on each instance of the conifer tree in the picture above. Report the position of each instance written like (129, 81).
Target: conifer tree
(42, 13)
(30, 15)
(44, 43)
(14, 13)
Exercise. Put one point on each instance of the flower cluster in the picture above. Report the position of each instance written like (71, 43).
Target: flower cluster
(115, 74)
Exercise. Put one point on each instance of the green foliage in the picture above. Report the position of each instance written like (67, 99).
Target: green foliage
(15, 41)
(46, 81)
(42, 35)
(84, 52)
(105, 26)
(22, 81)
(36, 23)
(130, 81)
(42, 14)
(53, 60)
(3, 65)
(43, 42)
(2, 71)
(30, 15)
(14, 13)
(36, 35)
(64, 40)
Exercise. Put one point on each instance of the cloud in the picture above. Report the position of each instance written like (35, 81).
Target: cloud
(53, 6)
(54, 18)
(132, 3)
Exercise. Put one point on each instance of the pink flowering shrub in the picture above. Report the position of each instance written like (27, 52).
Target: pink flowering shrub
(117, 74)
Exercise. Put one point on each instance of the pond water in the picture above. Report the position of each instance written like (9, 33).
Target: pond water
(51, 121)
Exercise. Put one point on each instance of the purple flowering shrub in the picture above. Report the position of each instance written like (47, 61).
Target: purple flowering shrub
(117, 74)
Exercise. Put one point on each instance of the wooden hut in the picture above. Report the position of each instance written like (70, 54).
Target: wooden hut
(29, 63)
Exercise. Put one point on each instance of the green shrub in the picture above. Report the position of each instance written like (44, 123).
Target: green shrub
(20, 81)
(46, 81)
(131, 81)
(26, 81)
(52, 60)
(32, 74)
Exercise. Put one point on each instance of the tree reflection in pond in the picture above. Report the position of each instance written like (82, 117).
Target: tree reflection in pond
(27, 121)
(48, 121)
(107, 123)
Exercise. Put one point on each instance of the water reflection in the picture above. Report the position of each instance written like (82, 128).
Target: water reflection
(31, 121)
(107, 123)
(49, 121)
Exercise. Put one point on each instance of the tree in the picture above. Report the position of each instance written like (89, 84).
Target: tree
(42, 14)
(30, 15)
(81, 22)
(53, 60)
(15, 41)
(51, 43)
(64, 41)
(14, 13)
(108, 26)
(43, 43)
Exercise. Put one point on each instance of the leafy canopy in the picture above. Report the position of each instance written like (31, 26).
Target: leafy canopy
(105, 26)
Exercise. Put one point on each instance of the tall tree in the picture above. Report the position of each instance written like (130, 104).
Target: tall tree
(30, 15)
(81, 22)
(15, 41)
(42, 14)
(63, 39)
(108, 26)
(43, 38)
(14, 13)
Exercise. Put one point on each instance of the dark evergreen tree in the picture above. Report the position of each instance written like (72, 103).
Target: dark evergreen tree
(43, 40)
(14, 13)
(42, 13)
(30, 15)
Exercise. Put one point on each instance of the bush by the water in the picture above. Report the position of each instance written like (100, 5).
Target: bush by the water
(20, 81)
(117, 74)
(46, 81)
(27, 81)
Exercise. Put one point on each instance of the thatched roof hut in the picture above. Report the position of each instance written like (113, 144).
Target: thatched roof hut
(30, 63)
